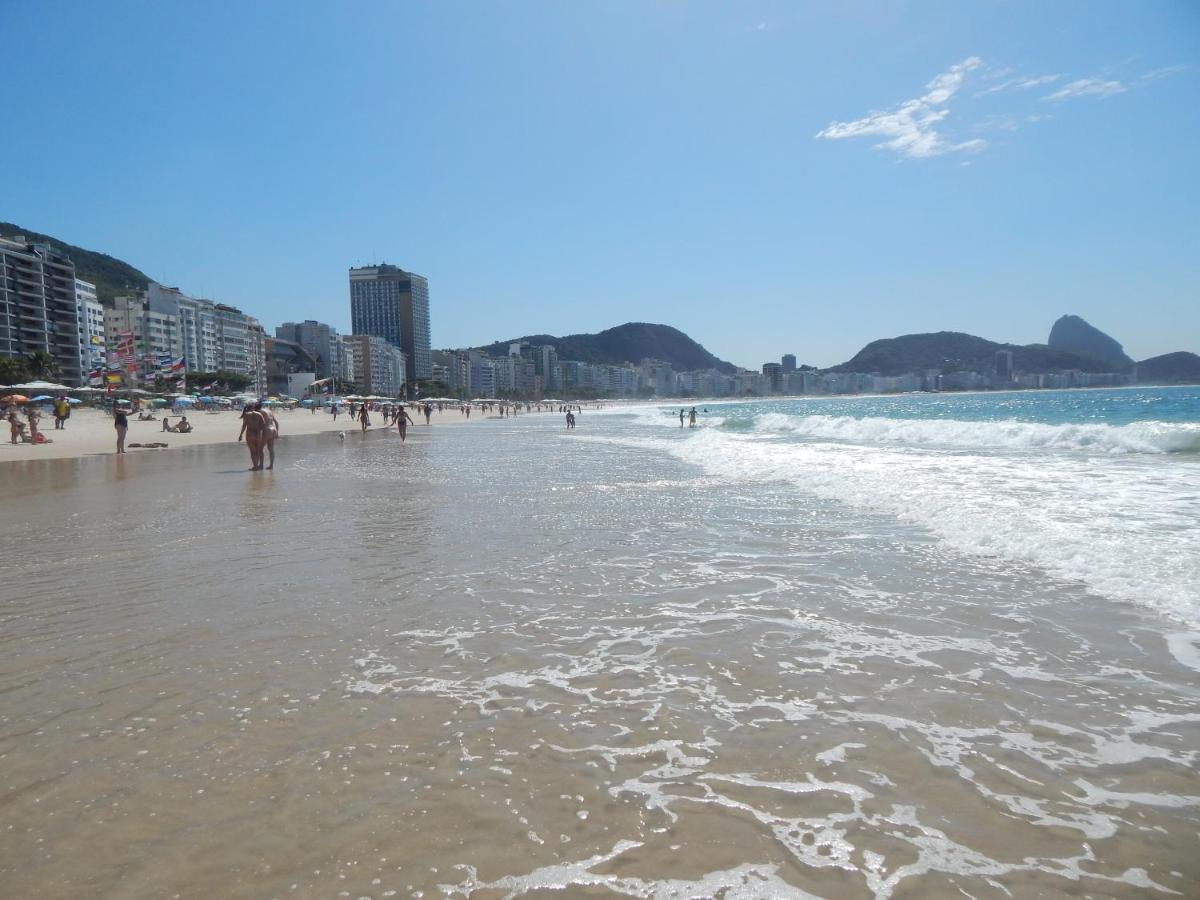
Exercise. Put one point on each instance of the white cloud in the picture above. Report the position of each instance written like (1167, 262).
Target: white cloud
(1088, 87)
(1019, 84)
(1164, 72)
(910, 129)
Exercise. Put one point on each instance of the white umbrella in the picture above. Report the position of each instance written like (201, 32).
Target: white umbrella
(40, 386)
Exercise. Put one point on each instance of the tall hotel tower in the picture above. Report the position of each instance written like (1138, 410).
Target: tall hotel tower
(387, 302)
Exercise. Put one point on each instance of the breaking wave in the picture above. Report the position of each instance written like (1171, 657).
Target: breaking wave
(1138, 437)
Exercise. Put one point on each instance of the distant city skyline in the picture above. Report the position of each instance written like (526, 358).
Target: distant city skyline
(769, 178)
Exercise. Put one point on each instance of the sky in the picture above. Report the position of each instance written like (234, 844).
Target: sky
(768, 177)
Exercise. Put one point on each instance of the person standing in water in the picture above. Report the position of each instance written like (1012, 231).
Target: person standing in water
(363, 418)
(121, 424)
(692, 418)
(403, 420)
(254, 424)
(270, 432)
(681, 417)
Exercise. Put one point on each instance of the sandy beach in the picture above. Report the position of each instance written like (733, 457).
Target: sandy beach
(89, 432)
(631, 659)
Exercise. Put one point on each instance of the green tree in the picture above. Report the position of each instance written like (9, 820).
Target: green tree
(13, 370)
(41, 365)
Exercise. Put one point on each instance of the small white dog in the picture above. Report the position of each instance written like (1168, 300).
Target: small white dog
(341, 435)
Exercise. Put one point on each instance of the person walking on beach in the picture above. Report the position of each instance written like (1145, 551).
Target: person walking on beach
(570, 420)
(403, 419)
(254, 424)
(692, 418)
(363, 418)
(428, 412)
(121, 424)
(62, 409)
(681, 417)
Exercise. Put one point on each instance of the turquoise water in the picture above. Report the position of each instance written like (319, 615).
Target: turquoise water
(1110, 407)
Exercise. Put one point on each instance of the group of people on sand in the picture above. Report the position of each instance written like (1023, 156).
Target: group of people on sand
(183, 426)
(260, 428)
(18, 431)
(27, 431)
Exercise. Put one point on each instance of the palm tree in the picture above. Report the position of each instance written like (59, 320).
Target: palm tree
(41, 365)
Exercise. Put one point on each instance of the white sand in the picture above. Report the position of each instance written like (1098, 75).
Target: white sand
(90, 432)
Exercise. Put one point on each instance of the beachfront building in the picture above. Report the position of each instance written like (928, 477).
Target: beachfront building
(773, 375)
(482, 375)
(291, 369)
(137, 336)
(321, 341)
(90, 315)
(162, 324)
(789, 363)
(388, 302)
(379, 366)
(39, 308)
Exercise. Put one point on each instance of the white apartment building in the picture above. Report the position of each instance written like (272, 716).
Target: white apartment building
(164, 322)
(91, 328)
(379, 366)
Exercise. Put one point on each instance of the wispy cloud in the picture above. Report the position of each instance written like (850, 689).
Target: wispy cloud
(1164, 72)
(1019, 84)
(910, 129)
(1087, 87)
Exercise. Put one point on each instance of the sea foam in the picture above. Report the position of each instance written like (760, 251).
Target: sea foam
(1137, 437)
(1095, 504)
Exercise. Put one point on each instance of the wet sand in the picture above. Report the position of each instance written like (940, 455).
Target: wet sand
(510, 661)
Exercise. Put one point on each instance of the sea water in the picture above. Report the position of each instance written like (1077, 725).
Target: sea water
(1096, 486)
(924, 646)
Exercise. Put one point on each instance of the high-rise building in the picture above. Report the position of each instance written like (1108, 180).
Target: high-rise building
(789, 363)
(379, 365)
(91, 329)
(164, 324)
(1004, 365)
(773, 375)
(388, 302)
(39, 309)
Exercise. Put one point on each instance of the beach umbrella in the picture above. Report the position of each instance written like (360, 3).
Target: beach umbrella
(15, 398)
(40, 386)
(41, 399)
(74, 401)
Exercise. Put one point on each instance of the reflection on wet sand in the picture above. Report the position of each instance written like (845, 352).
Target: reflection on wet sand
(448, 667)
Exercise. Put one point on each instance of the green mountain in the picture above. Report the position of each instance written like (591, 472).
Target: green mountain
(1170, 368)
(111, 276)
(948, 351)
(628, 343)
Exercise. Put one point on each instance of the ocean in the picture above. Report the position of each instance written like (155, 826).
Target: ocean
(914, 646)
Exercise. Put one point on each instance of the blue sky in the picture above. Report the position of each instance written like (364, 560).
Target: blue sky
(768, 177)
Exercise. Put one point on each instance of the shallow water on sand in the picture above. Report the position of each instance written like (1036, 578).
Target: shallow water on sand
(504, 660)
